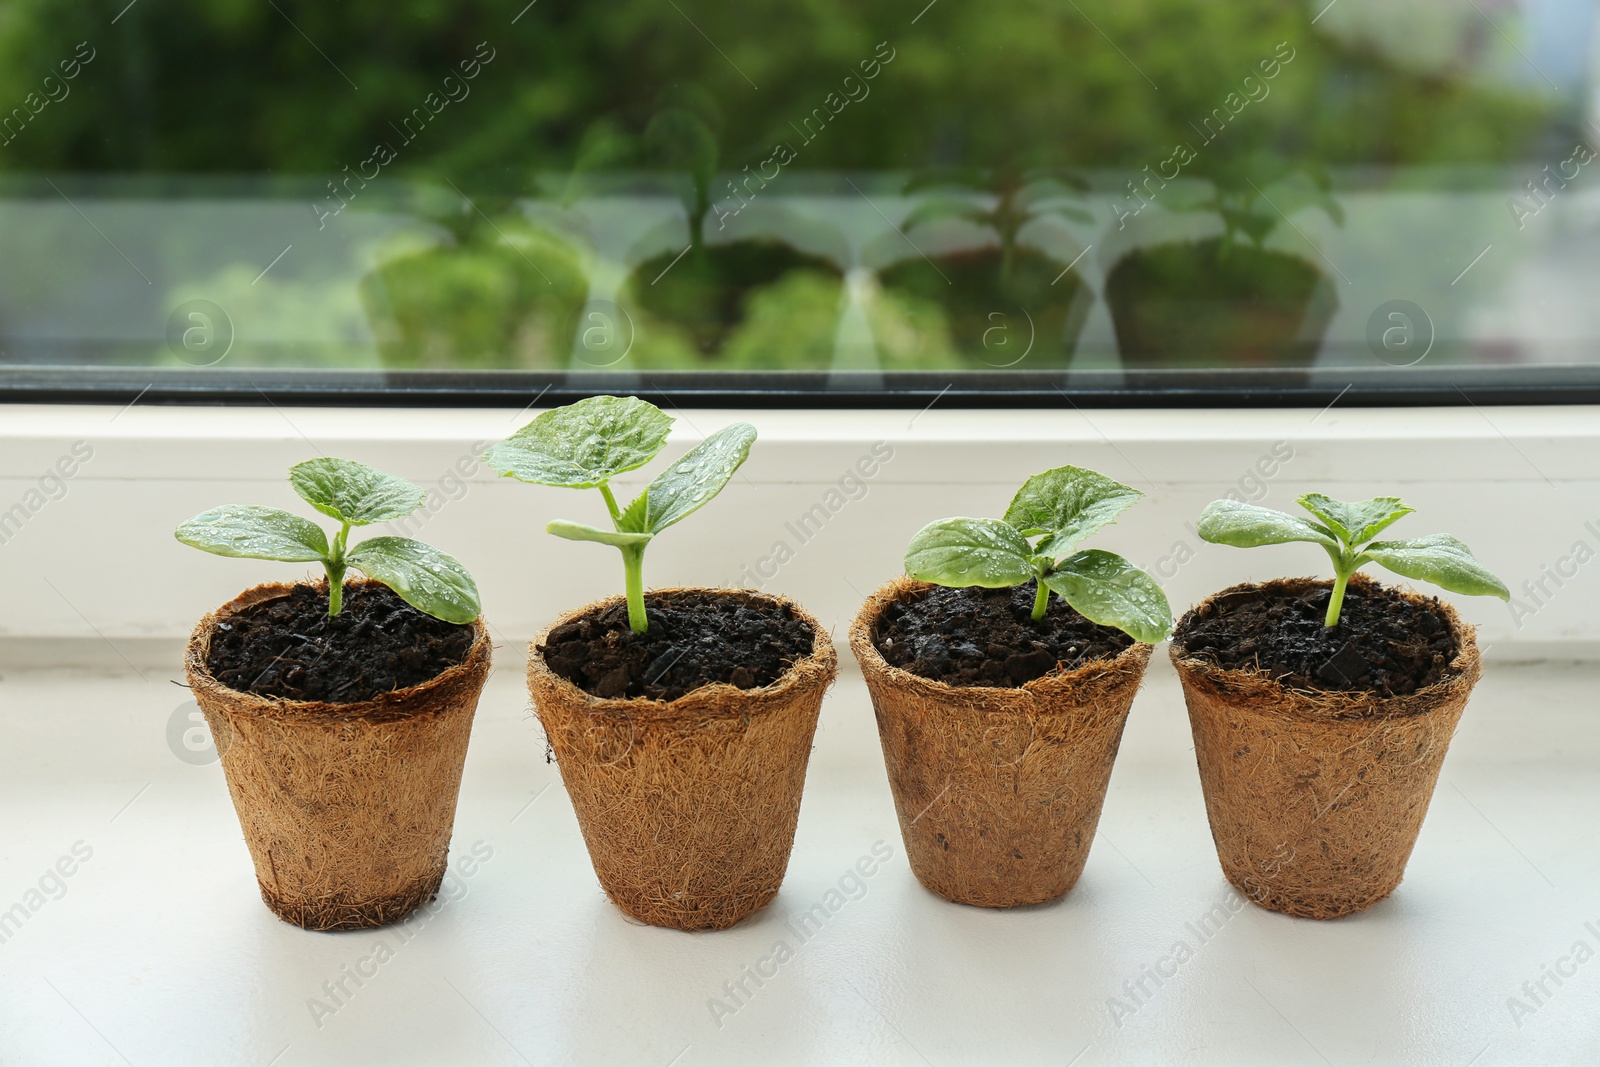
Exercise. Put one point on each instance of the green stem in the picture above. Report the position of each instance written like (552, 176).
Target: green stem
(1336, 601)
(611, 503)
(633, 577)
(1041, 601)
(335, 590)
(336, 567)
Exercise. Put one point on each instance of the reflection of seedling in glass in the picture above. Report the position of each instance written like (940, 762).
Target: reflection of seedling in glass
(723, 297)
(1229, 299)
(1238, 195)
(1060, 507)
(585, 445)
(1009, 296)
(1346, 532)
(683, 137)
(1020, 197)
(356, 495)
(478, 283)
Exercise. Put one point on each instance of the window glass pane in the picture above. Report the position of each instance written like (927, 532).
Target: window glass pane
(1181, 194)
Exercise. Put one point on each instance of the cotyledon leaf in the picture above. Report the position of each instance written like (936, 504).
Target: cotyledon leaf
(962, 552)
(1440, 559)
(1233, 522)
(422, 576)
(249, 531)
(1107, 589)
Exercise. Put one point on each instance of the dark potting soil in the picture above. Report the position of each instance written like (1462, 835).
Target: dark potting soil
(988, 637)
(1384, 643)
(288, 646)
(694, 639)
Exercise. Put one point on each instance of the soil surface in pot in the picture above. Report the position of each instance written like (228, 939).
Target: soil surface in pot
(1384, 643)
(988, 637)
(694, 639)
(288, 646)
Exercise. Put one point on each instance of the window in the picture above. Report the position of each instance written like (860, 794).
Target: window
(1155, 202)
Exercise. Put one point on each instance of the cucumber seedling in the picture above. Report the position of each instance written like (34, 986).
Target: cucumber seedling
(1346, 530)
(585, 445)
(1060, 507)
(356, 495)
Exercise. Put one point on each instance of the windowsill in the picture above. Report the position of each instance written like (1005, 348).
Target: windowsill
(160, 951)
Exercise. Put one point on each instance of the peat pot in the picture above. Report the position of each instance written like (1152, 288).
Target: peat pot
(688, 806)
(347, 808)
(998, 790)
(1316, 797)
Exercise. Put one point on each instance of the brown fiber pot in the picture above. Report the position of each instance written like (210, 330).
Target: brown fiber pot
(998, 790)
(1315, 798)
(688, 806)
(347, 808)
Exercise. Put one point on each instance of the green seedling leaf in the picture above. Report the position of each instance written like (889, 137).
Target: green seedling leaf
(583, 445)
(1356, 522)
(1231, 522)
(356, 495)
(251, 532)
(690, 483)
(1440, 559)
(962, 552)
(353, 492)
(421, 575)
(1107, 589)
(1061, 507)
(577, 531)
(1067, 504)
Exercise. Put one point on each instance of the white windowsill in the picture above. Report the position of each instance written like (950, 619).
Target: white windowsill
(160, 950)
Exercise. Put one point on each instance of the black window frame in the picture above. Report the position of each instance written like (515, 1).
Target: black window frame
(1210, 388)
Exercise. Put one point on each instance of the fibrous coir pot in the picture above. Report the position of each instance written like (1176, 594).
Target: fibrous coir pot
(347, 808)
(998, 790)
(1316, 797)
(688, 807)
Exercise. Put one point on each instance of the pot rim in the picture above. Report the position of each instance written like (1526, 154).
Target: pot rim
(716, 700)
(385, 707)
(1132, 658)
(1259, 690)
